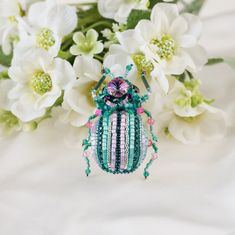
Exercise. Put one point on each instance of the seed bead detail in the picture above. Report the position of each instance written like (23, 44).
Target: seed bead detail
(41, 82)
(166, 47)
(142, 63)
(45, 39)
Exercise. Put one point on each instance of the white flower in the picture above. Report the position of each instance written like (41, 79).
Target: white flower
(110, 35)
(46, 25)
(169, 41)
(8, 121)
(39, 80)
(189, 117)
(10, 12)
(86, 44)
(78, 102)
(120, 56)
(119, 10)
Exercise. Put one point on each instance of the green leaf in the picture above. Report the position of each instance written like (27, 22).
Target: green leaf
(4, 75)
(152, 3)
(213, 61)
(228, 60)
(135, 16)
(5, 60)
(194, 7)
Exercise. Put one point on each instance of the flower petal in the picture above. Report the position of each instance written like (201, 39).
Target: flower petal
(5, 87)
(87, 68)
(78, 96)
(62, 19)
(62, 73)
(147, 30)
(24, 108)
(79, 37)
(130, 40)
(92, 35)
(161, 78)
(194, 25)
(176, 65)
(196, 58)
(185, 132)
(163, 14)
(178, 27)
(48, 99)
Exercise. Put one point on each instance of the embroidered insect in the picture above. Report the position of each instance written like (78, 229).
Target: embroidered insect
(118, 139)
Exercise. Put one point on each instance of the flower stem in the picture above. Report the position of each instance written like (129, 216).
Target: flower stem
(99, 57)
(108, 24)
(64, 55)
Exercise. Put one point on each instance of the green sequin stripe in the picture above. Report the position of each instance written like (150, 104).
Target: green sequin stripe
(99, 142)
(105, 139)
(131, 140)
(94, 139)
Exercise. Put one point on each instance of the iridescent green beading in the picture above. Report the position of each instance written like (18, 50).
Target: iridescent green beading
(119, 138)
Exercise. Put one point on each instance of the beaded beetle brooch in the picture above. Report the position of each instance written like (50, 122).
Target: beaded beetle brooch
(118, 139)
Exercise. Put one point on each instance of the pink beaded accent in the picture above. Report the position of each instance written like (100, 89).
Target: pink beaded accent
(98, 112)
(150, 121)
(89, 124)
(150, 142)
(154, 156)
(85, 154)
(140, 110)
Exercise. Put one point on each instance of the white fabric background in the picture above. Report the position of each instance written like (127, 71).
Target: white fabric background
(191, 190)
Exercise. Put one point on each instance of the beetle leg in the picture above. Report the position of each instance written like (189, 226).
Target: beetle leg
(87, 143)
(150, 121)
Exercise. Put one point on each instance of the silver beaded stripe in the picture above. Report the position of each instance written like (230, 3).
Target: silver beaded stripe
(131, 141)
(114, 141)
(126, 142)
(109, 142)
(111, 127)
(122, 141)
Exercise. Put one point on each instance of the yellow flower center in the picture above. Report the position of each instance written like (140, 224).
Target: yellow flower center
(12, 19)
(142, 63)
(45, 39)
(9, 120)
(41, 82)
(166, 47)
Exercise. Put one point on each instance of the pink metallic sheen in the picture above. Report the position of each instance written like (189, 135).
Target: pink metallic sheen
(89, 124)
(150, 142)
(85, 154)
(140, 110)
(150, 121)
(154, 156)
(98, 112)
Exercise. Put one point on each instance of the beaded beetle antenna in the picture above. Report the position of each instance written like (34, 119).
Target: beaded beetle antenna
(118, 139)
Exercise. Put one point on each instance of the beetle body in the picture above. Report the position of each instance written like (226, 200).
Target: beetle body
(118, 138)
(119, 141)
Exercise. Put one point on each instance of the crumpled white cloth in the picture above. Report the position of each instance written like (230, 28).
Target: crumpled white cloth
(191, 189)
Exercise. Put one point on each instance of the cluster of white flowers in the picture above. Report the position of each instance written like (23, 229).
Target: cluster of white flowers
(58, 51)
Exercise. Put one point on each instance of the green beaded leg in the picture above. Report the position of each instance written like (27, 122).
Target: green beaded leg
(88, 168)
(86, 145)
(154, 146)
